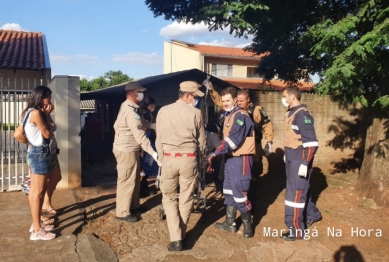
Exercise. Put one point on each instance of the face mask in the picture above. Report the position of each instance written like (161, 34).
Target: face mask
(283, 100)
(152, 110)
(140, 97)
(229, 109)
(195, 101)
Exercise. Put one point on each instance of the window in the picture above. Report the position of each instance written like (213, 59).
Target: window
(221, 70)
(251, 73)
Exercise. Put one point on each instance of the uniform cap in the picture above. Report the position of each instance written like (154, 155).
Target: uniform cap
(191, 87)
(133, 85)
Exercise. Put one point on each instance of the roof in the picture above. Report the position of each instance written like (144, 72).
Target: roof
(87, 104)
(158, 81)
(256, 83)
(23, 50)
(219, 50)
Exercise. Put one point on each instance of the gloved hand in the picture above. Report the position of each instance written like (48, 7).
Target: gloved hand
(155, 156)
(209, 160)
(267, 149)
(207, 83)
(303, 170)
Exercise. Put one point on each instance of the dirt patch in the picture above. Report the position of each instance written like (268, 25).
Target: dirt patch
(350, 230)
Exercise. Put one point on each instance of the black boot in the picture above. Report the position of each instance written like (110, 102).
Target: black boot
(248, 225)
(175, 246)
(229, 223)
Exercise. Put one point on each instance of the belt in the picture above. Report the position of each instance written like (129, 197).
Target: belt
(180, 154)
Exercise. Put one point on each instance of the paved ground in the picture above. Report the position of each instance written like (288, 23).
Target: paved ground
(69, 246)
(87, 230)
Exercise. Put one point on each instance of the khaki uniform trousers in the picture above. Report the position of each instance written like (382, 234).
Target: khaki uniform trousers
(128, 183)
(176, 171)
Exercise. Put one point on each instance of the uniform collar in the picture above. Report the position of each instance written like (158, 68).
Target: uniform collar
(297, 107)
(181, 101)
(236, 108)
(132, 104)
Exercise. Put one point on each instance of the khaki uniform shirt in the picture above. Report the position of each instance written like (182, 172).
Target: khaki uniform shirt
(267, 128)
(129, 130)
(180, 129)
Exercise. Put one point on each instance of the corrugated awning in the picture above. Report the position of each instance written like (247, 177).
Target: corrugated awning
(158, 81)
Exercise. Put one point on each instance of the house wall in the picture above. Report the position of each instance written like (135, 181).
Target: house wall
(239, 66)
(178, 58)
(23, 79)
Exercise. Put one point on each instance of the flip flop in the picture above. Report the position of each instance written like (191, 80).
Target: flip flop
(47, 220)
(49, 212)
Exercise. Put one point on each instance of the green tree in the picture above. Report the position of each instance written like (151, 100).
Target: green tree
(84, 84)
(110, 78)
(116, 77)
(345, 42)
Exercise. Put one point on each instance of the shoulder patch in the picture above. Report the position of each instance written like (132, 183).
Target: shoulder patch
(137, 117)
(239, 122)
(307, 121)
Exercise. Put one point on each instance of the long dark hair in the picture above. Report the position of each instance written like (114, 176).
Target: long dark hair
(148, 101)
(35, 98)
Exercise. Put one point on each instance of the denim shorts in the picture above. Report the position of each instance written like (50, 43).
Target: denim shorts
(39, 159)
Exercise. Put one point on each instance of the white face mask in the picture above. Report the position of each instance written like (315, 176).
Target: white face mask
(283, 100)
(195, 101)
(229, 109)
(140, 97)
(152, 110)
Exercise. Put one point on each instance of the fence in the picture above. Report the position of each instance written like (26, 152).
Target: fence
(13, 96)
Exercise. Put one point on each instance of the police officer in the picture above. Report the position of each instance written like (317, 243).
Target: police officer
(129, 138)
(180, 139)
(238, 145)
(300, 144)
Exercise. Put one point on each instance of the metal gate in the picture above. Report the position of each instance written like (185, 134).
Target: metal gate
(13, 97)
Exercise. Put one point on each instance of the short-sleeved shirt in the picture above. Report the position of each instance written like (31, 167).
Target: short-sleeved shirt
(180, 129)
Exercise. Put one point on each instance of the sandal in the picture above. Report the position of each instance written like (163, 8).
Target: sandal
(49, 212)
(47, 220)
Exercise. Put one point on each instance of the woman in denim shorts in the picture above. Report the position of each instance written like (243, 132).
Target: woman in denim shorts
(38, 132)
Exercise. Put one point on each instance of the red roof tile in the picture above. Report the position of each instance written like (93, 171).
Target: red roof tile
(219, 50)
(255, 83)
(22, 50)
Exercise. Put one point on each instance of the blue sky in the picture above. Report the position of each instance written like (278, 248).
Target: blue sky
(88, 38)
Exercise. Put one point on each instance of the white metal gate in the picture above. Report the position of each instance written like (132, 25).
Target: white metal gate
(13, 96)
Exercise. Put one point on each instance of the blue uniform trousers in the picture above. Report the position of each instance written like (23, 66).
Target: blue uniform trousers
(297, 197)
(237, 176)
